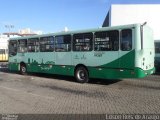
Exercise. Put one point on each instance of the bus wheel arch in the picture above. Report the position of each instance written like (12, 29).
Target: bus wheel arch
(23, 68)
(81, 73)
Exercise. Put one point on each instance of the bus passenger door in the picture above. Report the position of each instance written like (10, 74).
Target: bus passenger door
(63, 55)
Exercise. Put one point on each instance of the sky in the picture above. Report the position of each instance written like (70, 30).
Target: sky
(54, 15)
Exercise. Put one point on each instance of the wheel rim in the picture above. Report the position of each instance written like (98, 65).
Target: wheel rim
(23, 69)
(81, 75)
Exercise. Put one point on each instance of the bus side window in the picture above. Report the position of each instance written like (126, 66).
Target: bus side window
(2, 51)
(106, 41)
(22, 46)
(63, 43)
(126, 40)
(82, 42)
(33, 45)
(47, 44)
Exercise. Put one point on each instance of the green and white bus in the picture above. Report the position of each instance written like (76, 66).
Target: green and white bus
(108, 53)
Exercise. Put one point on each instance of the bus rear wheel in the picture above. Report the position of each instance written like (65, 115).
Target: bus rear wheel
(23, 69)
(81, 75)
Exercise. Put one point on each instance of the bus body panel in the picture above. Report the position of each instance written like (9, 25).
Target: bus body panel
(95, 58)
(33, 62)
(145, 56)
(13, 63)
(46, 62)
(63, 68)
(4, 57)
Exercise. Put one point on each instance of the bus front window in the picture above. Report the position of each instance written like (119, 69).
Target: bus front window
(12, 48)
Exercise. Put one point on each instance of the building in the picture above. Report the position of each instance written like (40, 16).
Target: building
(120, 14)
(3, 48)
(5, 38)
(23, 32)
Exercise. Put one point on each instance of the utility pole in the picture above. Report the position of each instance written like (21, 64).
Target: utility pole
(9, 27)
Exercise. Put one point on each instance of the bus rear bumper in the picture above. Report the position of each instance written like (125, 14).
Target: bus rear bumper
(140, 73)
(104, 73)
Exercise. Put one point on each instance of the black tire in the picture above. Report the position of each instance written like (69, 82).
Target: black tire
(81, 75)
(23, 69)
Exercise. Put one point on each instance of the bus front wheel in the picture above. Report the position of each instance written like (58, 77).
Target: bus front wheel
(23, 69)
(81, 75)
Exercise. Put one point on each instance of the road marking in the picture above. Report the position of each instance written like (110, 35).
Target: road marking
(23, 92)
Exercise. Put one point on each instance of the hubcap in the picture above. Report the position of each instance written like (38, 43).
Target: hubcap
(23, 69)
(81, 75)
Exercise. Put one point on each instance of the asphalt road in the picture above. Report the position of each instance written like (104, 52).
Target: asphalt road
(50, 94)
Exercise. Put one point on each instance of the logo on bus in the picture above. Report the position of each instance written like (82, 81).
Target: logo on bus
(98, 54)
